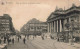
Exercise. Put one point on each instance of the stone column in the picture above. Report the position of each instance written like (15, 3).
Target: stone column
(51, 27)
(60, 26)
(57, 25)
(69, 19)
(54, 27)
(48, 27)
(65, 21)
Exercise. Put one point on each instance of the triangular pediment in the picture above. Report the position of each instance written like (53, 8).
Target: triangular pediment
(52, 15)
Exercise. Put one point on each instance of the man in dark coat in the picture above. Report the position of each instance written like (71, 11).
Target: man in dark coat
(24, 40)
(0, 41)
(4, 39)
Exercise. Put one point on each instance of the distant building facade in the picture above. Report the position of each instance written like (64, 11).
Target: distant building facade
(6, 25)
(36, 27)
(58, 19)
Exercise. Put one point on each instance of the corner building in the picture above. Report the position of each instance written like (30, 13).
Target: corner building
(6, 25)
(35, 27)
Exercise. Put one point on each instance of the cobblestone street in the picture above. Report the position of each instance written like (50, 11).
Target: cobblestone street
(38, 43)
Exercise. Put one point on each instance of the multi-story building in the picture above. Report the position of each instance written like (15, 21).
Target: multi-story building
(58, 19)
(6, 25)
(35, 26)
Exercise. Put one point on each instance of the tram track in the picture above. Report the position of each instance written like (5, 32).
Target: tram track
(56, 47)
(30, 45)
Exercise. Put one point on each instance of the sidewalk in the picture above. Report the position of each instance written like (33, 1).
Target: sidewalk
(62, 45)
(77, 45)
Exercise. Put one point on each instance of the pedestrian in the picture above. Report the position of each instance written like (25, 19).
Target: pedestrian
(18, 39)
(0, 40)
(13, 40)
(24, 40)
(74, 39)
(33, 37)
(58, 39)
(8, 41)
(20, 36)
(4, 39)
(42, 38)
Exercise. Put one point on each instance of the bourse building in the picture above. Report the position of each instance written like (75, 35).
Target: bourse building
(57, 20)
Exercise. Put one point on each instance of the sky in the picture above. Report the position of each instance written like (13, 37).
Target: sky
(22, 11)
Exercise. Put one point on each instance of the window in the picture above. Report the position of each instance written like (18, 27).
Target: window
(7, 29)
(3, 23)
(3, 20)
(7, 23)
(38, 27)
(32, 28)
(7, 20)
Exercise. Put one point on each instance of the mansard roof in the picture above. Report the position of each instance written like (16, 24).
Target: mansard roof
(34, 20)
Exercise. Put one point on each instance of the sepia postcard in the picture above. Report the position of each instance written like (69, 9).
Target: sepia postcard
(39, 24)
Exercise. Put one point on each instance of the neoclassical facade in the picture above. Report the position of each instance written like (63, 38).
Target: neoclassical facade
(57, 19)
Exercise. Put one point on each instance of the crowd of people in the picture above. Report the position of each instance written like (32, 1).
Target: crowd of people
(11, 39)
